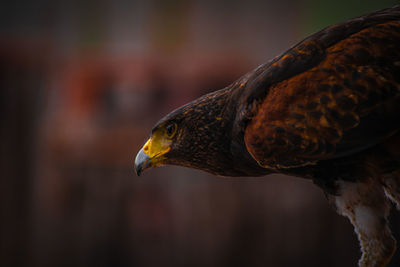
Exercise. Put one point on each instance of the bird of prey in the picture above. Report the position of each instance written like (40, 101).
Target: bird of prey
(328, 109)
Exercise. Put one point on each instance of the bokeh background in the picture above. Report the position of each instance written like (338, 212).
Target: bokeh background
(82, 83)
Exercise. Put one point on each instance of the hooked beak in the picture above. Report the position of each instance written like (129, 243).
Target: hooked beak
(152, 154)
(142, 161)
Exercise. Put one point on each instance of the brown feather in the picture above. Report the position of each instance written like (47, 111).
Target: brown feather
(346, 103)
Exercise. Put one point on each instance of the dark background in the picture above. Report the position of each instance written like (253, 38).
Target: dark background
(82, 83)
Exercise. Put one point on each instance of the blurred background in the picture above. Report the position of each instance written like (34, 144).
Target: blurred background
(82, 83)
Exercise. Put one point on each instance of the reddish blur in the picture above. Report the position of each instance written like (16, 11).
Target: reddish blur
(82, 83)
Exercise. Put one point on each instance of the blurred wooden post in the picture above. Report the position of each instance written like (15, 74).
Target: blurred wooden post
(19, 98)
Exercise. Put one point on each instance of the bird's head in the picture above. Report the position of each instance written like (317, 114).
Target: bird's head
(190, 136)
(199, 135)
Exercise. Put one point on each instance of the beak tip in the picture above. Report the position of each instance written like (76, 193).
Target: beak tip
(138, 171)
(142, 160)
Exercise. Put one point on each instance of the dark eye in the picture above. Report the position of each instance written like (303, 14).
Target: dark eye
(170, 129)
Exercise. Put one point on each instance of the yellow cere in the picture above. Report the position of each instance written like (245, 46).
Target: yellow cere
(156, 147)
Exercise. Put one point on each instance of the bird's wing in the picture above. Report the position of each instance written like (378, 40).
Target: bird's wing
(334, 94)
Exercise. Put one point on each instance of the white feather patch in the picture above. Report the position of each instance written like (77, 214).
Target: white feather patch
(367, 219)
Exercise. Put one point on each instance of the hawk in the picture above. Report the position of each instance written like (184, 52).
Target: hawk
(328, 109)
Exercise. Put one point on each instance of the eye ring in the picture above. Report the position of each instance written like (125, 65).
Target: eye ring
(170, 129)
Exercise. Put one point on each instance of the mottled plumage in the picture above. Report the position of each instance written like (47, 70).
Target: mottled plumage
(328, 109)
